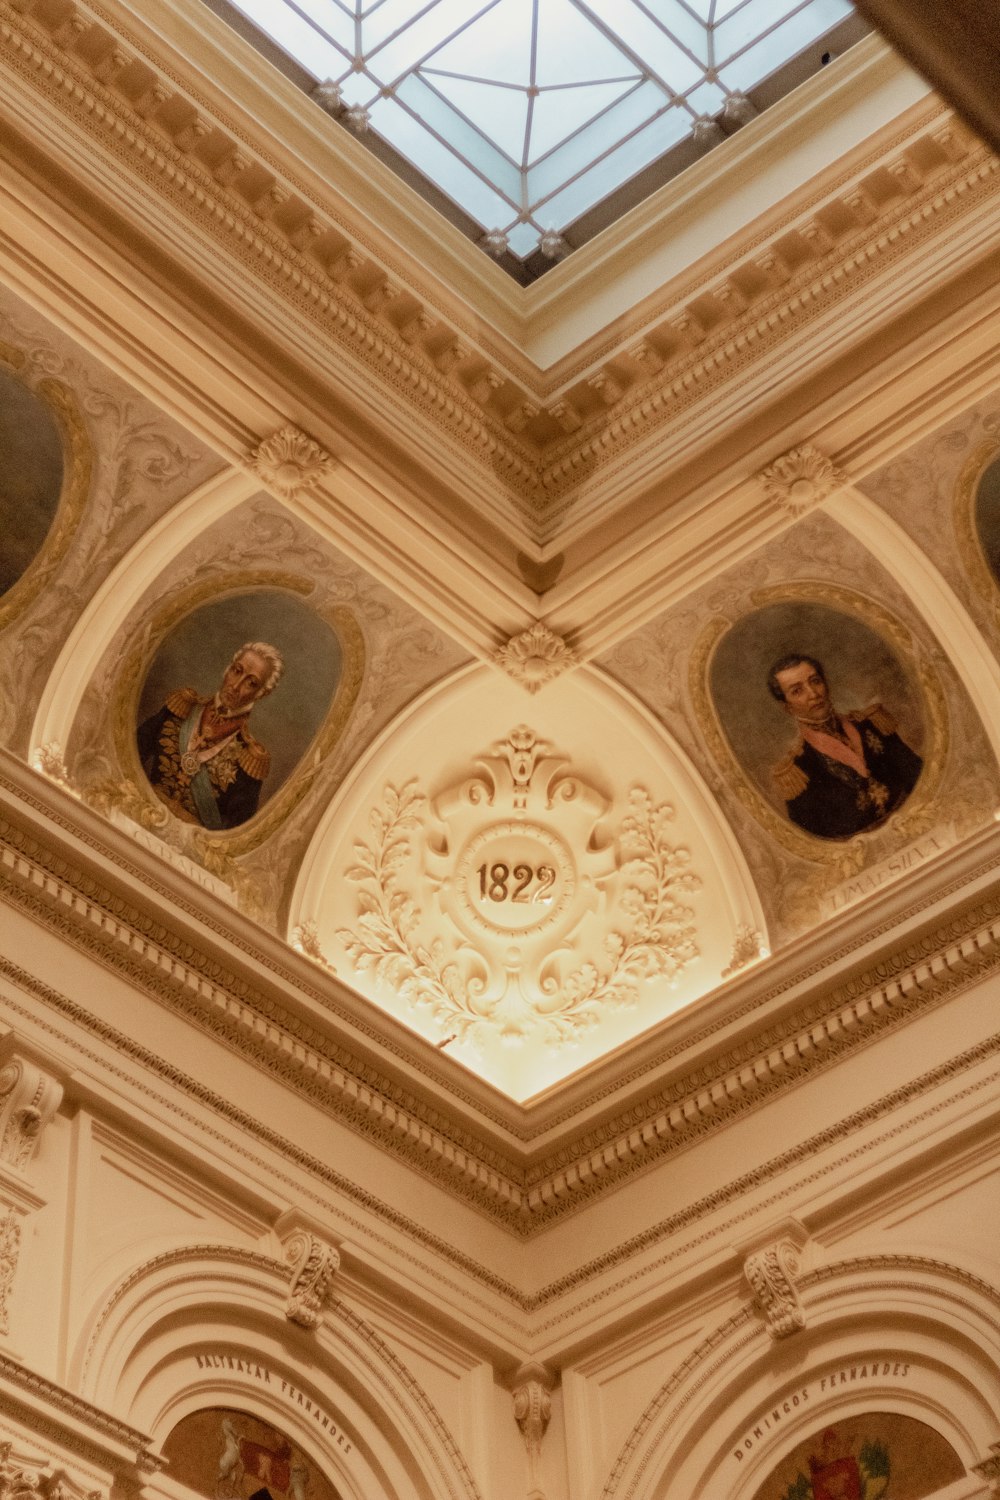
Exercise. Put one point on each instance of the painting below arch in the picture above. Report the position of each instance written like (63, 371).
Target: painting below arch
(230, 1455)
(878, 1456)
(821, 713)
(234, 696)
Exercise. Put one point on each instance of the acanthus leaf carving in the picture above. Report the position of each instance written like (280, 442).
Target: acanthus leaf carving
(29, 1097)
(801, 479)
(535, 657)
(314, 1265)
(539, 921)
(771, 1272)
(289, 462)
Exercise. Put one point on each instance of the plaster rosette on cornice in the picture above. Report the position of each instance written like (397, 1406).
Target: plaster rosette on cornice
(528, 883)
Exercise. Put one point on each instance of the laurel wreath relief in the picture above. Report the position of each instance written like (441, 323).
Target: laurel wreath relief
(654, 937)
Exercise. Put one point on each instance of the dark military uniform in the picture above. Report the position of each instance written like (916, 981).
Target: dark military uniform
(833, 800)
(220, 790)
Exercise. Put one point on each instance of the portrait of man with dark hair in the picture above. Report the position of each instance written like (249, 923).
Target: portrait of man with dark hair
(198, 752)
(846, 772)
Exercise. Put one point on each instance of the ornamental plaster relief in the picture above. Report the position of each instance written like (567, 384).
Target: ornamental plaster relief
(139, 463)
(814, 564)
(486, 877)
(411, 338)
(29, 1097)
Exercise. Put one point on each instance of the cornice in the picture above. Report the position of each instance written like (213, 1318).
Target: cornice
(524, 444)
(778, 1036)
(38, 1394)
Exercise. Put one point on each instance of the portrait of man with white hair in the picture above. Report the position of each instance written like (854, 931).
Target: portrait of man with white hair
(198, 752)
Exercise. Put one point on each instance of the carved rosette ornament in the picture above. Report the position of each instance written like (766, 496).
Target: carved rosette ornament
(28, 1100)
(771, 1272)
(288, 462)
(800, 480)
(532, 1411)
(314, 1265)
(535, 657)
(535, 917)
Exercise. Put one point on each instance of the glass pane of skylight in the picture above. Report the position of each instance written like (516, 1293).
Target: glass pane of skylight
(442, 166)
(496, 109)
(786, 41)
(560, 112)
(602, 134)
(571, 49)
(295, 36)
(616, 168)
(589, 82)
(659, 52)
(425, 35)
(497, 45)
(460, 136)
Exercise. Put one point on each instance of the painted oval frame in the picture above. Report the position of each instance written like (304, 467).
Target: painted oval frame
(138, 668)
(912, 816)
(67, 510)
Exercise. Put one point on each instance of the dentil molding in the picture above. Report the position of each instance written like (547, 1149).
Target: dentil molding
(541, 435)
(720, 1084)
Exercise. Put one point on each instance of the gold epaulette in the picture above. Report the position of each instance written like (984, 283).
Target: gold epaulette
(181, 703)
(789, 778)
(880, 717)
(254, 759)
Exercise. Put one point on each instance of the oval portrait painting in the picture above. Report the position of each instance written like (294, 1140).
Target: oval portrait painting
(987, 513)
(822, 715)
(233, 697)
(31, 477)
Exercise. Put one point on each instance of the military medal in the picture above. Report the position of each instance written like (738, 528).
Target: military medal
(190, 764)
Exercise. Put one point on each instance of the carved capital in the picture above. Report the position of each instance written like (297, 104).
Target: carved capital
(535, 657)
(289, 462)
(314, 1265)
(29, 1098)
(800, 480)
(532, 1409)
(771, 1272)
(989, 1469)
(23, 1479)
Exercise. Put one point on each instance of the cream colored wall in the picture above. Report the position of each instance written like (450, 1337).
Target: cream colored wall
(154, 1231)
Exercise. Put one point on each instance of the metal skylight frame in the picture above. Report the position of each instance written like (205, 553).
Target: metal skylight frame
(636, 78)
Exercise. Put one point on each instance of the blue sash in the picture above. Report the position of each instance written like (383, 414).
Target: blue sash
(201, 786)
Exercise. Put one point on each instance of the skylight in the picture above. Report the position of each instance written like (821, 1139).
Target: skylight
(528, 113)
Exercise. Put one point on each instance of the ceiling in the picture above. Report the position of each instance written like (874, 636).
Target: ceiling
(532, 516)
